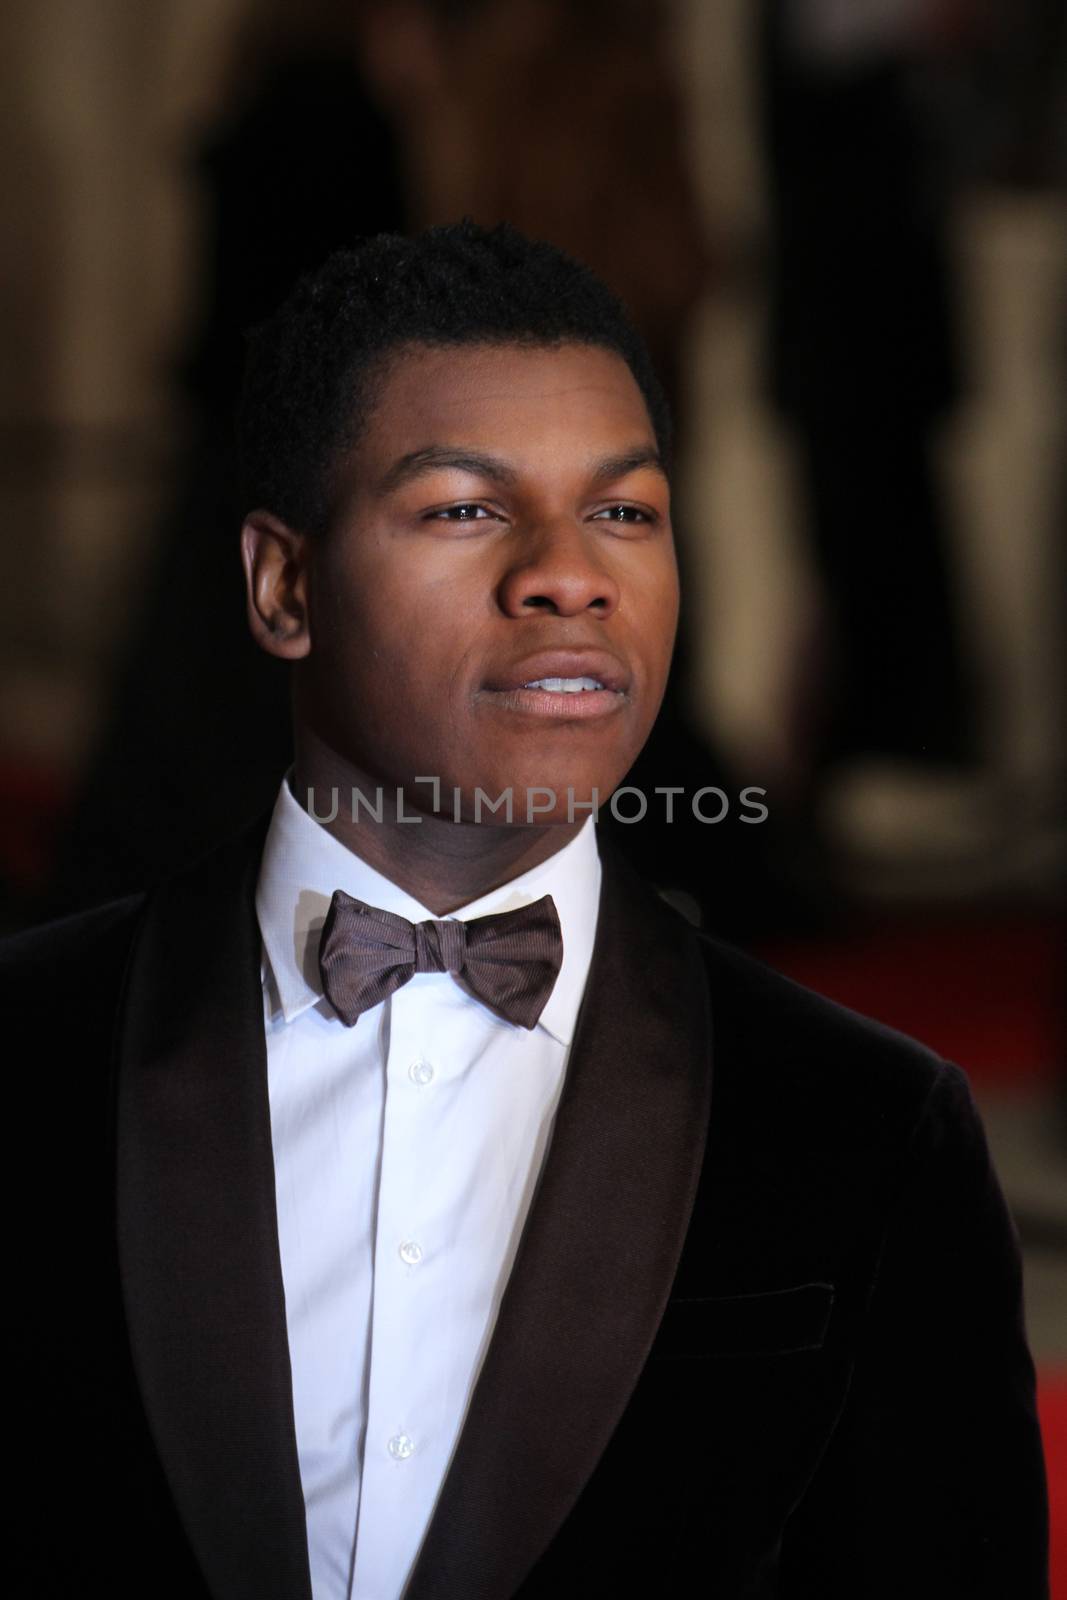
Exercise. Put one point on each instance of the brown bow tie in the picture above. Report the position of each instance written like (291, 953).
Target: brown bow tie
(509, 960)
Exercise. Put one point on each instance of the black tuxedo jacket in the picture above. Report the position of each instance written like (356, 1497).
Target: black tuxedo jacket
(763, 1336)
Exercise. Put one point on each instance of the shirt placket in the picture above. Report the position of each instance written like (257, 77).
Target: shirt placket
(409, 1376)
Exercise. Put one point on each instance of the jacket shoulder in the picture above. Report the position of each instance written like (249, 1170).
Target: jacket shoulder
(818, 1064)
(71, 957)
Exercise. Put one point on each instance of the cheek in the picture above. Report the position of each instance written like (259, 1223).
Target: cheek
(360, 624)
(400, 593)
(389, 649)
(669, 594)
(653, 610)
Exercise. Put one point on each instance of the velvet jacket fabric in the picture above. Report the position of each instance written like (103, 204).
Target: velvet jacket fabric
(763, 1336)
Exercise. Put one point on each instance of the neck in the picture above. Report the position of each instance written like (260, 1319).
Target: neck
(441, 863)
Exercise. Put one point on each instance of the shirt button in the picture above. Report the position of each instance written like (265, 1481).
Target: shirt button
(411, 1252)
(420, 1072)
(400, 1446)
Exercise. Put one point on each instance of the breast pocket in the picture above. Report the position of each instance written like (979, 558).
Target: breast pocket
(774, 1322)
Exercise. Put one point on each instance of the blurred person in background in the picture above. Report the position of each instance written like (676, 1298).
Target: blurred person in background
(877, 116)
(865, 363)
(301, 160)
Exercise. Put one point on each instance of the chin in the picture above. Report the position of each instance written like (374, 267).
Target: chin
(549, 795)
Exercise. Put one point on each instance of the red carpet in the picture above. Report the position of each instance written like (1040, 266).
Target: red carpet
(1052, 1395)
(983, 990)
(33, 802)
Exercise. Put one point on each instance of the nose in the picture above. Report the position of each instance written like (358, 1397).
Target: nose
(556, 570)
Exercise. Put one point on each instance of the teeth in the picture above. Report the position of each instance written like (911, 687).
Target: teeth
(564, 685)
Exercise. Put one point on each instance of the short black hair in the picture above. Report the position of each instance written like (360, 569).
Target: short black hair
(310, 368)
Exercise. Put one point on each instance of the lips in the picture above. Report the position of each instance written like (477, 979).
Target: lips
(561, 686)
(567, 666)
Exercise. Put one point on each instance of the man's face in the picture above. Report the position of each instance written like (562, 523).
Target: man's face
(502, 521)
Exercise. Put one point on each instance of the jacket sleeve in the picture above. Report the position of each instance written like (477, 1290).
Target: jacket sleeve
(933, 1483)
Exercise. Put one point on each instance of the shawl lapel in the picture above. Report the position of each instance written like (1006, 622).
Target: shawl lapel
(597, 1258)
(197, 1230)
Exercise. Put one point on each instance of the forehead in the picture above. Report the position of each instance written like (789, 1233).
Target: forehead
(525, 400)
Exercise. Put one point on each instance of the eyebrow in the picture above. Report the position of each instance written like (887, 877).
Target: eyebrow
(643, 457)
(434, 457)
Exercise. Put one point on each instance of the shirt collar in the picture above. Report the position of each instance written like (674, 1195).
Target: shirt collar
(303, 864)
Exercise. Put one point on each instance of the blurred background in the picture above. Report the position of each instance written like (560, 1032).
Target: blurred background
(842, 228)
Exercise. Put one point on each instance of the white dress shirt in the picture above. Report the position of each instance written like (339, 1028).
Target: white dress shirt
(406, 1152)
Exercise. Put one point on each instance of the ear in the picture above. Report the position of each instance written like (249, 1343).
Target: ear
(276, 559)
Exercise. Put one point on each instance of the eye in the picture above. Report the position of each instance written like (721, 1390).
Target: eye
(469, 511)
(624, 513)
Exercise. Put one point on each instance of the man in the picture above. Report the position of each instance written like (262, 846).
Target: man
(418, 1204)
